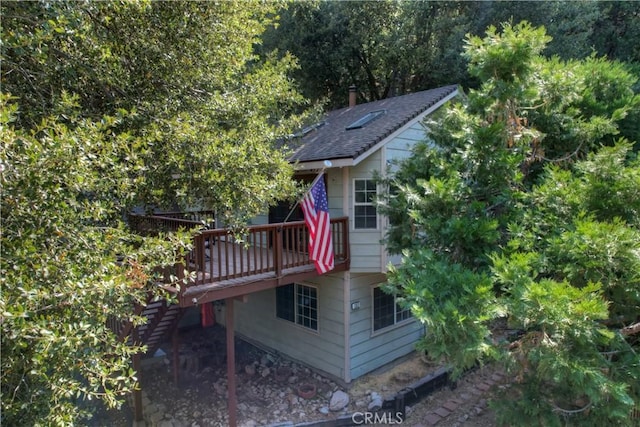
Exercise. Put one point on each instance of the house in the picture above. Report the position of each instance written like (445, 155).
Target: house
(341, 322)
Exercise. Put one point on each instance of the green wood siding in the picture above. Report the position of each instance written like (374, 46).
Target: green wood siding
(323, 350)
(369, 350)
(366, 251)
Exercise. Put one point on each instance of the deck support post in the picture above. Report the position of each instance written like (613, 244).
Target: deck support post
(231, 364)
(137, 392)
(175, 344)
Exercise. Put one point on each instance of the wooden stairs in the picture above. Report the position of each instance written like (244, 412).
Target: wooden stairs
(162, 319)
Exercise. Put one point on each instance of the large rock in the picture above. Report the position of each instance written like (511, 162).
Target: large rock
(339, 400)
(375, 404)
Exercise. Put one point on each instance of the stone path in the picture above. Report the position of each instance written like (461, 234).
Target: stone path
(466, 405)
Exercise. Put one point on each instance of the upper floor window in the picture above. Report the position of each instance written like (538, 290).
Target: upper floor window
(298, 304)
(365, 215)
(386, 311)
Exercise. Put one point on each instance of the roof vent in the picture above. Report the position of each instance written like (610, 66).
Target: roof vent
(364, 120)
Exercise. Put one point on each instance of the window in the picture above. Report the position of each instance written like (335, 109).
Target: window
(386, 311)
(364, 211)
(298, 304)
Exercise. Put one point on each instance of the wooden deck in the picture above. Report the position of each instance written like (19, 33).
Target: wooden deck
(226, 265)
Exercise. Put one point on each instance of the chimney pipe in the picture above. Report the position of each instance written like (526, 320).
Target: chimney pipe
(352, 96)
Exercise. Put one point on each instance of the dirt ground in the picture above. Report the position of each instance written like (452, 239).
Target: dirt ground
(194, 402)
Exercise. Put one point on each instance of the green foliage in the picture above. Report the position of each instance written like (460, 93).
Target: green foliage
(107, 106)
(453, 302)
(388, 48)
(510, 256)
(68, 265)
(203, 109)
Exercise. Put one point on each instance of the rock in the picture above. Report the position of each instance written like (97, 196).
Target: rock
(265, 372)
(324, 410)
(250, 370)
(266, 360)
(292, 379)
(156, 417)
(339, 400)
(151, 409)
(219, 389)
(375, 404)
(292, 399)
(375, 396)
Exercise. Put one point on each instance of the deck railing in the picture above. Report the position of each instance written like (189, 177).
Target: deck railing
(170, 221)
(220, 254)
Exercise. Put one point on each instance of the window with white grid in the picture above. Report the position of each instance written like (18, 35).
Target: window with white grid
(386, 310)
(298, 304)
(365, 215)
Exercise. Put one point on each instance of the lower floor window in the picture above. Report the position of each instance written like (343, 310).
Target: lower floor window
(298, 304)
(386, 311)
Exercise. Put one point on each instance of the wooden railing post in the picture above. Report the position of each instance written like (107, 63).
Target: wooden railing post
(277, 254)
(198, 247)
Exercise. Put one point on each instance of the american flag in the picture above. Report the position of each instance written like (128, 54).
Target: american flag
(316, 216)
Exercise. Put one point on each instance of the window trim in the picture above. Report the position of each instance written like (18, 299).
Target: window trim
(396, 324)
(356, 204)
(294, 322)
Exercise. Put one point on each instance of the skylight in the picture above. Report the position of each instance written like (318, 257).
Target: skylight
(367, 118)
(308, 130)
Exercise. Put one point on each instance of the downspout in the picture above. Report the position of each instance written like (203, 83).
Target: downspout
(383, 223)
(346, 284)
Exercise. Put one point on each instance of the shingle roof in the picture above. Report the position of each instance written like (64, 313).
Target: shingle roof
(333, 141)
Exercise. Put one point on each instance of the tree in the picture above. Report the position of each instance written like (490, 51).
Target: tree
(187, 77)
(340, 44)
(395, 47)
(526, 259)
(107, 106)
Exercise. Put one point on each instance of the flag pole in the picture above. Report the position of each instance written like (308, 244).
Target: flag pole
(327, 163)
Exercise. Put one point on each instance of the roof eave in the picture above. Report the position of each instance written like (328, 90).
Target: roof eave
(320, 164)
